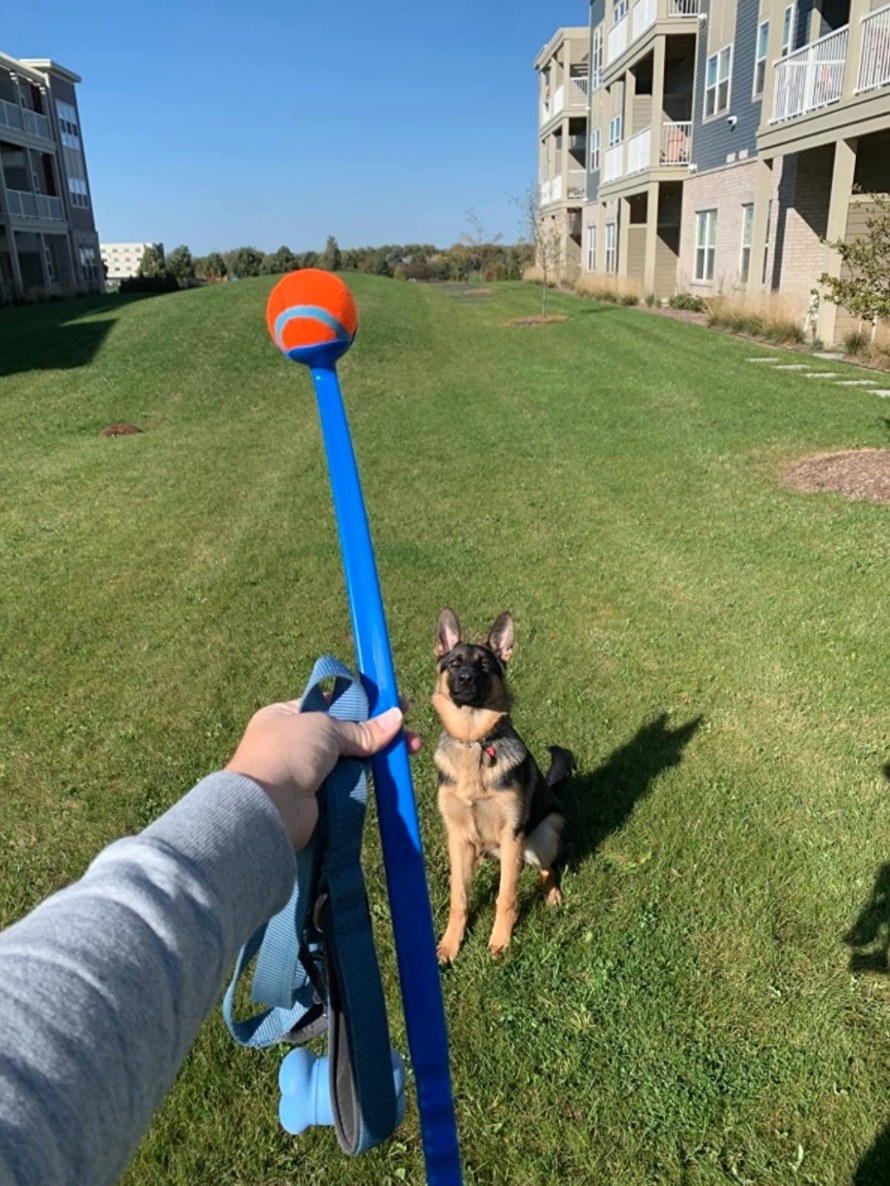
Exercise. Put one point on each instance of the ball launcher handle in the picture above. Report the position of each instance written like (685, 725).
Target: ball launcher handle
(312, 318)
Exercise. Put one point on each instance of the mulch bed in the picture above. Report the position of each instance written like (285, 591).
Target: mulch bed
(856, 473)
(120, 430)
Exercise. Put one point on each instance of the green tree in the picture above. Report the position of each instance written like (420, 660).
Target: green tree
(181, 265)
(863, 287)
(332, 259)
(282, 260)
(309, 259)
(213, 266)
(152, 262)
(246, 261)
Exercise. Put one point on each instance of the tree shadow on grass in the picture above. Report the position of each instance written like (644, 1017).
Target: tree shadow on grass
(600, 802)
(54, 336)
(869, 937)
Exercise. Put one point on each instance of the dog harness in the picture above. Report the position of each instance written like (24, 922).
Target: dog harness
(316, 967)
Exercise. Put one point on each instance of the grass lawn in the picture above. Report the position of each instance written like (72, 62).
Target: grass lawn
(712, 1005)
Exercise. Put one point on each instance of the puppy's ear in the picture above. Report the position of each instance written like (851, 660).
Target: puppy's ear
(500, 637)
(447, 632)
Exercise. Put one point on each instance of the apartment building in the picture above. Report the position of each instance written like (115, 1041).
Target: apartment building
(563, 114)
(122, 260)
(725, 141)
(48, 240)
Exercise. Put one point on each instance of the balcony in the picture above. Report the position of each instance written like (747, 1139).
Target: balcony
(811, 77)
(573, 187)
(571, 98)
(874, 62)
(642, 16)
(634, 155)
(576, 185)
(38, 206)
(24, 120)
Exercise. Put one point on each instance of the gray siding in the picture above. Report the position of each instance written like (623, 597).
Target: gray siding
(597, 12)
(593, 184)
(713, 141)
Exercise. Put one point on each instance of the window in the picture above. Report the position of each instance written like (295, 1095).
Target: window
(78, 192)
(88, 264)
(717, 82)
(769, 215)
(788, 30)
(745, 257)
(611, 247)
(595, 145)
(615, 130)
(760, 60)
(50, 270)
(591, 247)
(705, 244)
(596, 58)
(619, 11)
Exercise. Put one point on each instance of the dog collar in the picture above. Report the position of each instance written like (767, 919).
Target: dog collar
(491, 753)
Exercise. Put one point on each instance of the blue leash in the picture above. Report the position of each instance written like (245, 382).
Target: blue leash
(316, 967)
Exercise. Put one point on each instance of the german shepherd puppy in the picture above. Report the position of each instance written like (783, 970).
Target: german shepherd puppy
(492, 796)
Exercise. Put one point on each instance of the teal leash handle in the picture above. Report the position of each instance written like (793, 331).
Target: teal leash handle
(329, 892)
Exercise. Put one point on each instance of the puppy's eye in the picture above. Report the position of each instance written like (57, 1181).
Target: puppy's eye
(455, 662)
(486, 666)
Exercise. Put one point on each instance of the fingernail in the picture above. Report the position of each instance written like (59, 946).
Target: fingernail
(392, 716)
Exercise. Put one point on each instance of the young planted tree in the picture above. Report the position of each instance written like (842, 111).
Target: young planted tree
(863, 287)
(543, 237)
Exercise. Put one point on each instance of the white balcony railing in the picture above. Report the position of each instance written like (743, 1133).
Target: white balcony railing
(874, 64)
(576, 184)
(14, 116)
(811, 77)
(639, 151)
(642, 16)
(683, 7)
(613, 162)
(616, 42)
(27, 205)
(578, 90)
(675, 142)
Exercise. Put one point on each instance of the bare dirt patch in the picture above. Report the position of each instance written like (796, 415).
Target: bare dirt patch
(535, 320)
(856, 473)
(120, 430)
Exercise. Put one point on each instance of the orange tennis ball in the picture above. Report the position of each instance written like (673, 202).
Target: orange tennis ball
(311, 316)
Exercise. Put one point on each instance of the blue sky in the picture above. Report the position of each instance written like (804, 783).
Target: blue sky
(217, 124)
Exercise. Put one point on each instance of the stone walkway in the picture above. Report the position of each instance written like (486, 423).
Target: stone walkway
(836, 377)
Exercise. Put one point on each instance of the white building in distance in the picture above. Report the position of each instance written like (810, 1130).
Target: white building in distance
(122, 260)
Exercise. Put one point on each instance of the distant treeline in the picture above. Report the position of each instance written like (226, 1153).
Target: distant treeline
(411, 261)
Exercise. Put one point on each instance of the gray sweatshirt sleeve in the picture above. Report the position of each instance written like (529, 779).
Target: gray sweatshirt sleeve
(104, 986)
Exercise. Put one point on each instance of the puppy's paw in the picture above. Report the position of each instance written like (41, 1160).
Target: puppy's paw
(498, 943)
(447, 949)
(553, 897)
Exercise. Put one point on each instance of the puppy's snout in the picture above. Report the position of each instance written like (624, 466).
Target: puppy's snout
(466, 678)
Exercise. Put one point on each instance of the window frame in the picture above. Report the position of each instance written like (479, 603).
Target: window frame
(760, 60)
(611, 257)
(745, 248)
(619, 121)
(591, 246)
(705, 245)
(596, 150)
(789, 18)
(712, 89)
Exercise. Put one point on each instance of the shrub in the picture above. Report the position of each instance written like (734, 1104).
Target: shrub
(650, 299)
(855, 342)
(615, 290)
(164, 283)
(767, 318)
(688, 302)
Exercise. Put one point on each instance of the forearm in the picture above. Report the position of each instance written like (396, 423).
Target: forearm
(104, 987)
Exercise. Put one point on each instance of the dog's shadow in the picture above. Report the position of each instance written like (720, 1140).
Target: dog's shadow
(600, 802)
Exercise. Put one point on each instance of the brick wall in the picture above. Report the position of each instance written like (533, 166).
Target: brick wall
(799, 254)
(726, 191)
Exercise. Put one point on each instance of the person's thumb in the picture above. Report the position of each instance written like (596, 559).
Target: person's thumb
(364, 739)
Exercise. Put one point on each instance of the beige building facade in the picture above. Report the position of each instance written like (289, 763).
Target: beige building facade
(726, 142)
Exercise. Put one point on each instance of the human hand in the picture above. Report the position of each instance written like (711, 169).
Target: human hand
(290, 753)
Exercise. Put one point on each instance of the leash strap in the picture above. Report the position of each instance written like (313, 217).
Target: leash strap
(316, 966)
